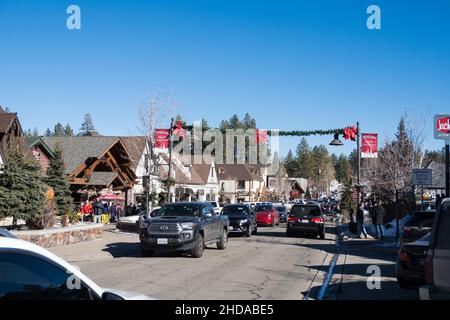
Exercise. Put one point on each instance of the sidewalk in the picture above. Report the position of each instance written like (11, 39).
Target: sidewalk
(351, 275)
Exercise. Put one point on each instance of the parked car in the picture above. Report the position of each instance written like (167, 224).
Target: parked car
(267, 215)
(216, 207)
(306, 219)
(30, 272)
(437, 261)
(184, 227)
(417, 226)
(410, 269)
(5, 233)
(283, 213)
(242, 219)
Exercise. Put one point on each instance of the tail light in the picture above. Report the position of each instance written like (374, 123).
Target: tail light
(292, 219)
(404, 256)
(317, 220)
(429, 268)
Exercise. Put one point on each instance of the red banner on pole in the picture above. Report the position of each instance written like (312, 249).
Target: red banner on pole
(369, 145)
(162, 137)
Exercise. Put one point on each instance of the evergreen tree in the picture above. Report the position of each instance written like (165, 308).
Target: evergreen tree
(303, 159)
(58, 130)
(56, 178)
(289, 164)
(22, 191)
(68, 131)
(87, 127)
(48, 133)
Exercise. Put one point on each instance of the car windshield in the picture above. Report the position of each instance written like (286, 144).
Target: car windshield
(176, 210)
(235, 210)
(214, 204)
(281, 209)
(299, 211)
(263, 208)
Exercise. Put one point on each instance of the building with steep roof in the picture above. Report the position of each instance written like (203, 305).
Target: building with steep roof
(10, 132)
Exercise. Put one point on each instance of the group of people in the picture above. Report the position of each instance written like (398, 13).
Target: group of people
(377, 214)
(99, 212)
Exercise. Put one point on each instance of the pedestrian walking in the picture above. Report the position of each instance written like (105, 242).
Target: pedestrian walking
(97, 208)
(360, 220)
(113, 212)
(378, 219)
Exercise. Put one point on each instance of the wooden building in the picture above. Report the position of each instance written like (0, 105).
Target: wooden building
(10, 132)
(95, 162)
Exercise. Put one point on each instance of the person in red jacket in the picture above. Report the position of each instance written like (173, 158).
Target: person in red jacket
(86, 210)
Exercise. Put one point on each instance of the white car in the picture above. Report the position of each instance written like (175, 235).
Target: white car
(30, 272)
(217, 208)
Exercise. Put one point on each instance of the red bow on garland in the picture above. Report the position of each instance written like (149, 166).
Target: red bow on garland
(179, 131)
(350, 133)
(261, 136)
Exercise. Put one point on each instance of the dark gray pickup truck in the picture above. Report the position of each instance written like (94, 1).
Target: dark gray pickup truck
(183, 227)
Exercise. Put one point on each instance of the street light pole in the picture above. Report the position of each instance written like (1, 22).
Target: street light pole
(447, 169)
(169, 186)
(358, 164)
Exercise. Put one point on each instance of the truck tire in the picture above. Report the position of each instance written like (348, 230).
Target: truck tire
(222, 243)
(255, 232)
(199, 247)
(322, 235)
(146, 253)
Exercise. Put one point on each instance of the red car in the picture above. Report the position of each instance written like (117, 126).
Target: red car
(267, 215)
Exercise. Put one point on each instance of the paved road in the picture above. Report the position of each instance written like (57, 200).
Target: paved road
(266, 266)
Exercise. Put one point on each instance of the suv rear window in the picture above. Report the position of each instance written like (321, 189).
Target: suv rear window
(300, 211)
(263, 208)
(235, 210)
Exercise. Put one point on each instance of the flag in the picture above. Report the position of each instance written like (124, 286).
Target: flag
(261, 136)
(179, 131)
(369, 145)
(162, 138)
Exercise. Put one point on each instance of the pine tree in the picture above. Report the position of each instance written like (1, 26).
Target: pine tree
(56, 178)
(48, 133)
(87, 127)
(58, 130)
(303, 159)
(68, 131)
(289, 164)
(22, 191)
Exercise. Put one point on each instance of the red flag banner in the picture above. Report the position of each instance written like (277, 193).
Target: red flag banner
(162, 137)
(369, 145)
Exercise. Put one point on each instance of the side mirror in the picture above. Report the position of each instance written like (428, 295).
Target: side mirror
(111, 296)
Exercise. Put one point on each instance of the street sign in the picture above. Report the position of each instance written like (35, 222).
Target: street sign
(442, 127)
(422, 177)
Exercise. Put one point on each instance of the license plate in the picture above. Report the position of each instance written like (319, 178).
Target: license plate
(305, 221)
(163, 241)
(230, 228)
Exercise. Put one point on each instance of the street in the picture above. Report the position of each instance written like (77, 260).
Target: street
(268, 266)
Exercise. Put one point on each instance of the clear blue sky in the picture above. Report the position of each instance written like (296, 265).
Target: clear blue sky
(291, 64)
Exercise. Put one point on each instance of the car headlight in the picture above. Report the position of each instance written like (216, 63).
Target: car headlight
(243, 221)
(188, 225)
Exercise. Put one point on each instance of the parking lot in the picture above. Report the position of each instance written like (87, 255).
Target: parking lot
(266, 266)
